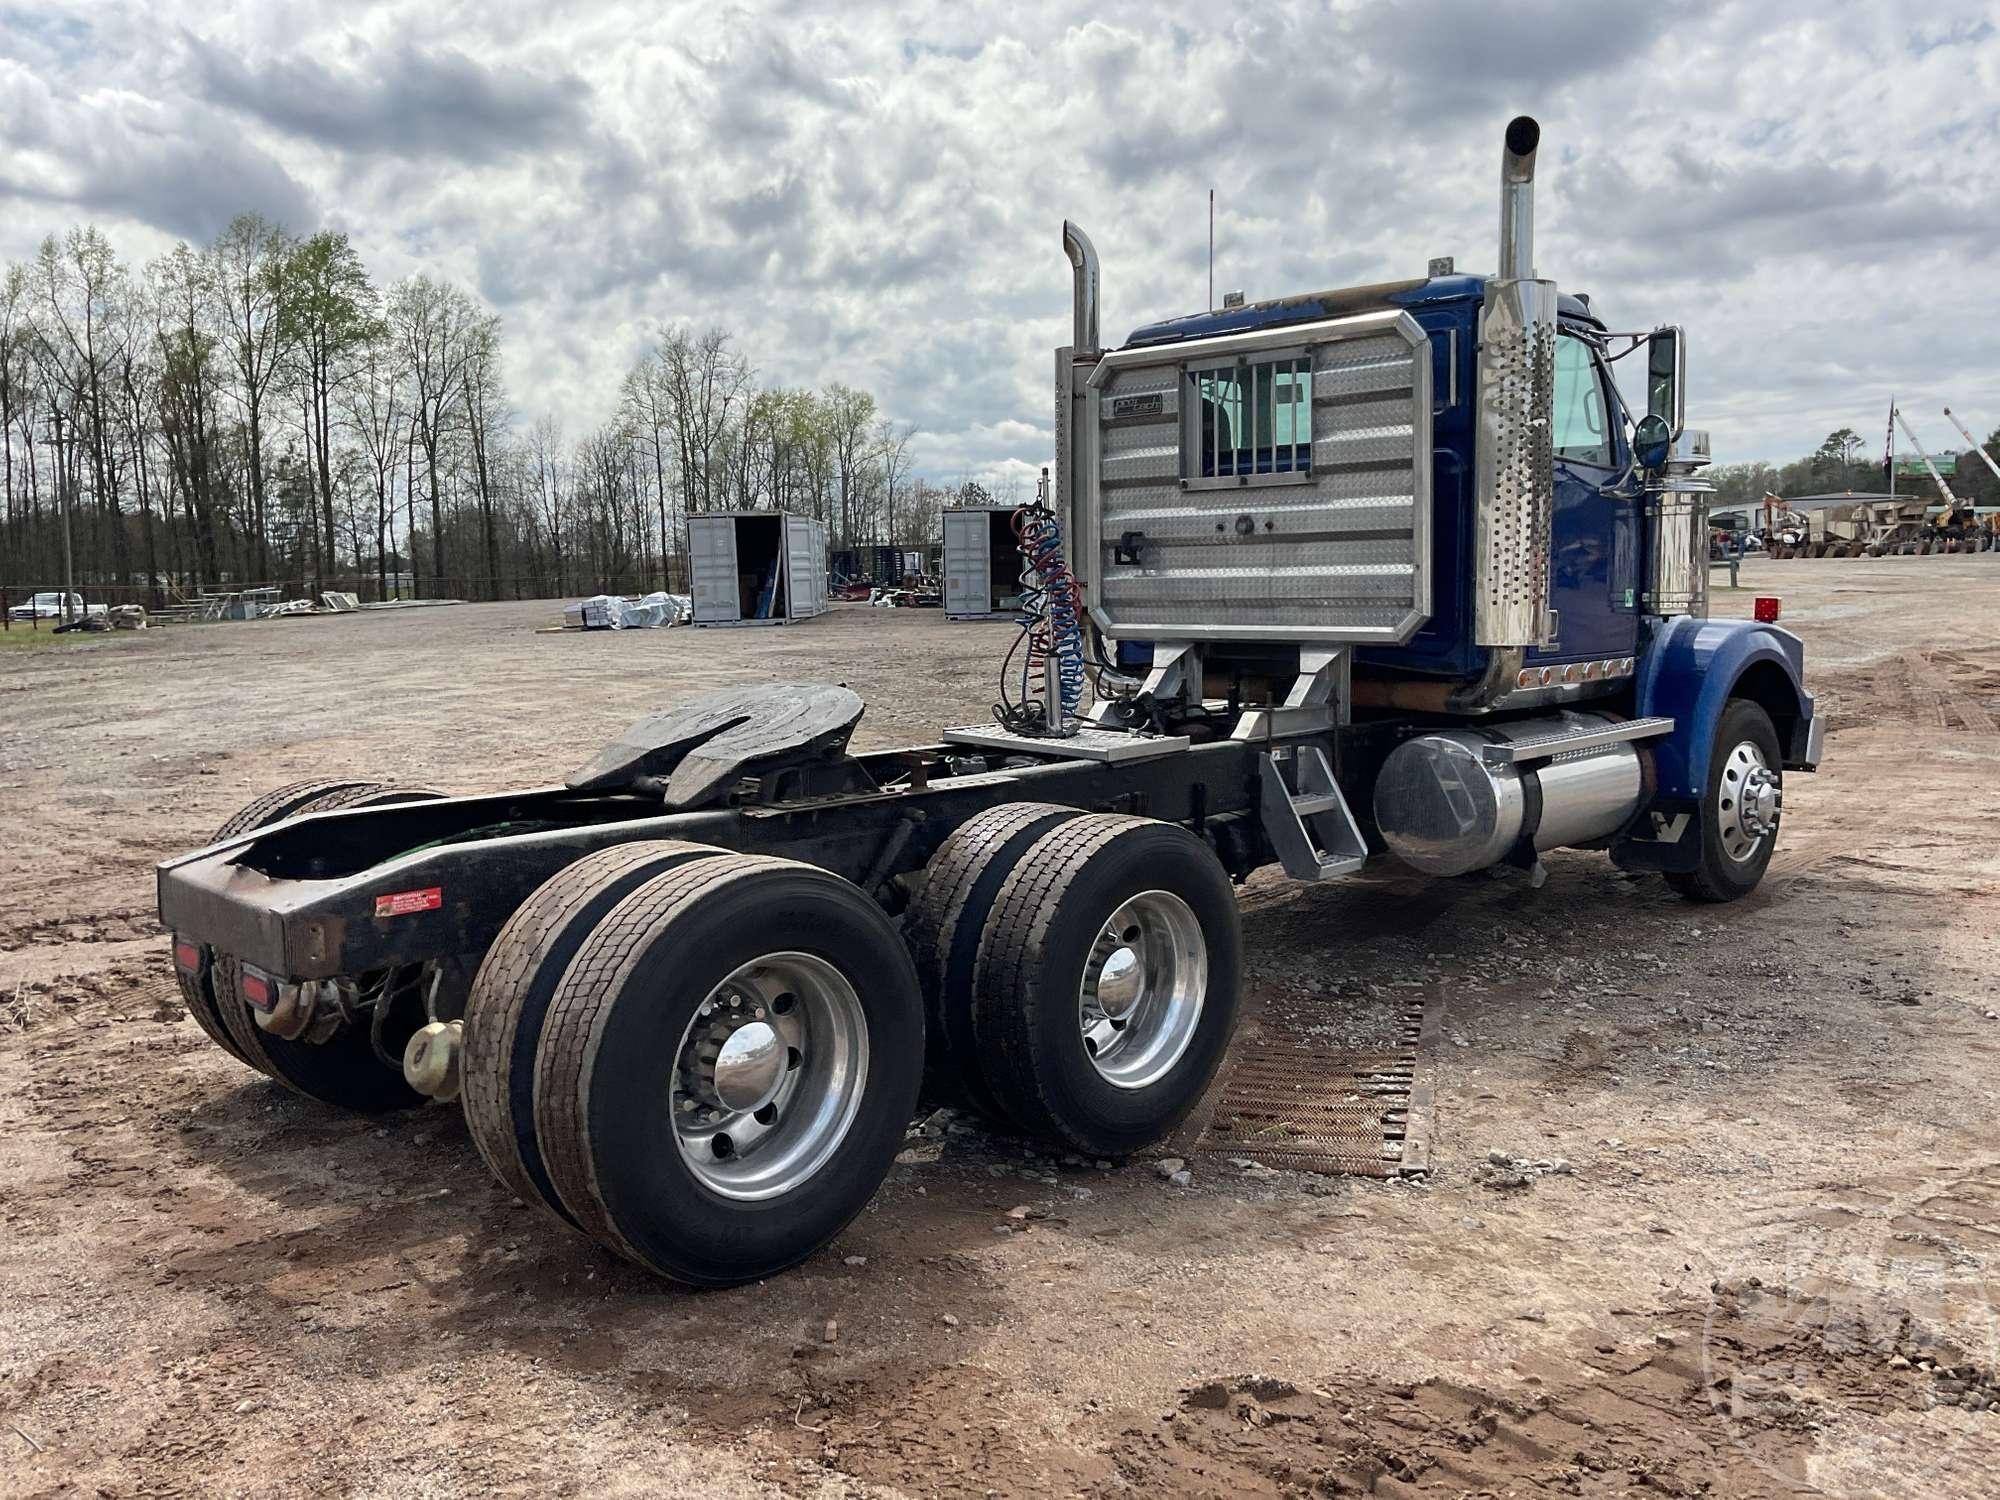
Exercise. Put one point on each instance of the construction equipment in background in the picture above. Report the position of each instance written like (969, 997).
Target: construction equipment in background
(1784, 526)
(1973, 443)
(1956, 519)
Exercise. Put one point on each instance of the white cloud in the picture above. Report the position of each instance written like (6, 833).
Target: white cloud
(874, 198)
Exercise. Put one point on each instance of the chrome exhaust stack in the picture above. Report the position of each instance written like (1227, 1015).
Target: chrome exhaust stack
(1517, 199)
(1075, 453)
(1514, 469)
(1083, 290)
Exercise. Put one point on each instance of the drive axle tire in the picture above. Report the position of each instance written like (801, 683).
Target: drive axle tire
(510, 1001)
(1740, 810)
(944, 926)
(198, 989)
(1108, 982)
(728, 1067)
(344, 1070)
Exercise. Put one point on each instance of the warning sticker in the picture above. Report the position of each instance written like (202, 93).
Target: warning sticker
(402, 903)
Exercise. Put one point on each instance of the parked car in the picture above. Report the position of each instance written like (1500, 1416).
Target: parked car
(49, 606)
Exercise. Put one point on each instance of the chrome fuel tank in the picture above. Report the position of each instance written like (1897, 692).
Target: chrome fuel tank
(1445, 807)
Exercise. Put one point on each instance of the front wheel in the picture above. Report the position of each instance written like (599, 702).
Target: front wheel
(1740, 809)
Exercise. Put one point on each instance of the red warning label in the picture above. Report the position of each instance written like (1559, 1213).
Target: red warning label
(402, 903)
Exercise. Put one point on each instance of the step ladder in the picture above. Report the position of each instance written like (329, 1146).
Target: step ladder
(1307, 820)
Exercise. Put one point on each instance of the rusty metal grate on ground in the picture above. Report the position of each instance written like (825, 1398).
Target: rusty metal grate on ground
(1316, 1109)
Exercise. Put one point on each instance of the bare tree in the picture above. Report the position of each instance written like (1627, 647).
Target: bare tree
(184, 294)
(375, 412)
(327, 321)
(431, 323)
(850, 416)
(892, 458)
(485, 405)
(249, 258)
(551, 504)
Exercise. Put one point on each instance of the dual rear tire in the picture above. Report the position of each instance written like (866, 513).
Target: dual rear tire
(1082, 972)
(705, 1061)
(345, 1070)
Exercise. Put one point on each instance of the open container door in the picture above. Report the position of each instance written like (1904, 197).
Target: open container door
(967, 553)
(712, 569)
(805, 567)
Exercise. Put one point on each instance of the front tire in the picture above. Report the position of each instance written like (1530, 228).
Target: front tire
(728, 1067)
(1109, 976)
(1740, 810)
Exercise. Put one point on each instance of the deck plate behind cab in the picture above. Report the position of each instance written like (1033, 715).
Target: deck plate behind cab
(703, 748)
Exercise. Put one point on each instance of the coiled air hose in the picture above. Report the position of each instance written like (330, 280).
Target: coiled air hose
(1051, 621)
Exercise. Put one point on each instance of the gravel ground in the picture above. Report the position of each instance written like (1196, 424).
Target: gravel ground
(1767, 1268)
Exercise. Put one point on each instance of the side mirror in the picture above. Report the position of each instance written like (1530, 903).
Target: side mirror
(1652, 440)
(1666, 379)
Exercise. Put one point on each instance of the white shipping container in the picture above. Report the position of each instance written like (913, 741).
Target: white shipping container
(756, 567)
(982, 563)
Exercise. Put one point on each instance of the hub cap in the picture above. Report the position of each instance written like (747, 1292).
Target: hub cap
(769, 1076)
(1143, 989)
(1748, 802)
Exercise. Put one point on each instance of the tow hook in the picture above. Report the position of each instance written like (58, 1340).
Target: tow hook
(430, 1061)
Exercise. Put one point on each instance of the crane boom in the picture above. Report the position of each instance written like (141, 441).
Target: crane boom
(1975, 444)
(1950, 500)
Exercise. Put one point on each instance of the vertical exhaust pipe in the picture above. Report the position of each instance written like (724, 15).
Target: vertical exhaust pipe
(1517, 199)
(1076, 428)
(1514, 457)
(1083, 288)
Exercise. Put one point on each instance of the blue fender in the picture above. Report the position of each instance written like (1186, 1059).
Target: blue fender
(1691, 668)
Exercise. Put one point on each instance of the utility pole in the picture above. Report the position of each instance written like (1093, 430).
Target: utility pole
(62, 501)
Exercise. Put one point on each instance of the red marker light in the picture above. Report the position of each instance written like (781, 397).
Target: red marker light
(255, 988)
(1767, 609)
(187, 955)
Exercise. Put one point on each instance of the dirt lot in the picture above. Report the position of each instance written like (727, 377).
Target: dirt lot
(1766, 1271)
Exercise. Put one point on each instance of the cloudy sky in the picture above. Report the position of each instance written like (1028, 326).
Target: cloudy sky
(874, 195)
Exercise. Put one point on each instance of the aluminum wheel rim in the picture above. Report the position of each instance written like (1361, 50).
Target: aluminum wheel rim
(769, 1076)
(1143, 989)
(1747, 802)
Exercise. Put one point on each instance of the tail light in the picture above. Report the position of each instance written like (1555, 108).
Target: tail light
(257, 988)
(1767, 609)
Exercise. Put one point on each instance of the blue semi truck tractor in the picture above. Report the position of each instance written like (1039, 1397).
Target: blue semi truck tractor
(1388, 573)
